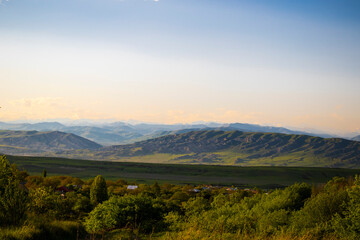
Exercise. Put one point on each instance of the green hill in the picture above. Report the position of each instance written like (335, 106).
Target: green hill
(233, 148)
(30, 142)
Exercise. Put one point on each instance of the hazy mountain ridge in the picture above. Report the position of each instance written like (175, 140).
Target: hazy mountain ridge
(267, 143)
(124, 133)
(235, 148)
(357, 138)
(21, 142)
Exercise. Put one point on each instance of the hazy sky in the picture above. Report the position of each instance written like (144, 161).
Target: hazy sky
(274, 62)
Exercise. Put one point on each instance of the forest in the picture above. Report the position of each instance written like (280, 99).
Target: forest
(66, 207)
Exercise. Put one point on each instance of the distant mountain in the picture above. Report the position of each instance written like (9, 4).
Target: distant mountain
(42, 126)
(105, 135)
(124, 133)
(234, 148)
(28, 142)
(357, 138)
(245, 127)
(45, 126)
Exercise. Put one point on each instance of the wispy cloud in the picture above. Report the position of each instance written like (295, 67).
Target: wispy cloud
(42, 108)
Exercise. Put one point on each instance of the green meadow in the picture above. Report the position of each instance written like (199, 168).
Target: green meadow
(259, 176)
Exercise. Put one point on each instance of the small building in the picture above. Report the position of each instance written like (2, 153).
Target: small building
(132, 187)
(195, 190)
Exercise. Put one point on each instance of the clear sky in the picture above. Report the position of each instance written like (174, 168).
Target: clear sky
(271, 62)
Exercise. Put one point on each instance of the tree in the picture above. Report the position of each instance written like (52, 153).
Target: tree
(13, 198)
(347, 224)
(140, 211)
(44, 201)
(98, 190)
(156, 189)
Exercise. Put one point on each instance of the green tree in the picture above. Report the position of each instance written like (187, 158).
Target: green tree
(13, 197)
(44, 201)
(347, 224)
(321, 208)
(156, 189)
(98, 190)
(129, 211)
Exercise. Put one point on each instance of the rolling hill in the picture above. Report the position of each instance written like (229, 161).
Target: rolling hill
(233, 148)
(29, 142)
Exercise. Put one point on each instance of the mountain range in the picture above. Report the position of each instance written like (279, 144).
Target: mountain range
(124, 133)
(191, 146)
(232, 148)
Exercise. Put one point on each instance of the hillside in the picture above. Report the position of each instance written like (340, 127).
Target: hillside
(28, 142)
(234, 148)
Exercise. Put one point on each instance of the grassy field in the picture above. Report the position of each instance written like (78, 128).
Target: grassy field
(263, 177)
(211, 158)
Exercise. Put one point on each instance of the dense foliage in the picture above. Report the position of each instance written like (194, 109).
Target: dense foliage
(62, 207)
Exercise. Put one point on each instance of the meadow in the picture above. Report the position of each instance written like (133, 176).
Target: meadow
(260, 176)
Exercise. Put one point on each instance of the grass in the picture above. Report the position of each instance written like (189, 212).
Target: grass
(260, 176)
(227, 157)
(56, 230)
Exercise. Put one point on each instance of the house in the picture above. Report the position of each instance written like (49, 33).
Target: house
(195, 190)
(132, 187)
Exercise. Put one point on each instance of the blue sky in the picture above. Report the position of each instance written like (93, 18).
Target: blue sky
(285, 63)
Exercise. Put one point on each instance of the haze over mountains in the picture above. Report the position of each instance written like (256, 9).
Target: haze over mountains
(123, 133)
(357, 138)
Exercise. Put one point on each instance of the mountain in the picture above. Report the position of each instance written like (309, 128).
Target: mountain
(42, 126)
(357, 138)
(234, 148)
(124, 133)
(245, 127)
(105, 135)
(29, 142)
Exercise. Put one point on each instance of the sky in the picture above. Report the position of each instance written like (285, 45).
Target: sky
(269, 62)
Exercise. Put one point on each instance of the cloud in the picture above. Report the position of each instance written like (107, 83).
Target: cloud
(42, 108)
(33, 103)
